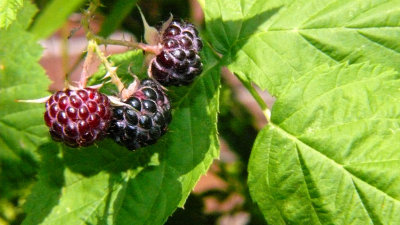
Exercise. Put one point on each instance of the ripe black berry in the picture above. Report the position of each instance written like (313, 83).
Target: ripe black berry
(78, 117)
(145, 121)
(179, 62)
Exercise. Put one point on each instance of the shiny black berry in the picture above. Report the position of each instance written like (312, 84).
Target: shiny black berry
(78, 117)
(145, 121)
(179, 61)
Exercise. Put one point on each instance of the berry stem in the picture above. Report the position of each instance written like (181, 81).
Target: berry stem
(111, 70)
(266, 111)
(65, 53)
(94, 47)
(155, 49)
(87, 16)
(86, 64)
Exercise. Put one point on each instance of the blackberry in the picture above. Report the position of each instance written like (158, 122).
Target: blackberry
(145, 121)
(179, 61)
(78, 117)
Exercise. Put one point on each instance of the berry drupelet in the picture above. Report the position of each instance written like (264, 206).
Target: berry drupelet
(145, 121)
(78, 117)
(179, 61)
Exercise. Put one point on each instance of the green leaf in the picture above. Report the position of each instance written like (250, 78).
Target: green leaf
(8, 11)
(330, 154)
(278, 41)
(120, 10)
(21, 125)
(53, 17)
(106, 184)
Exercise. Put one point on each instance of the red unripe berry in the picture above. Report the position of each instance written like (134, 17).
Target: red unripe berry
(78, 117)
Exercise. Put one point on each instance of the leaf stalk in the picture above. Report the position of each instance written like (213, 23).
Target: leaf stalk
(247, 84)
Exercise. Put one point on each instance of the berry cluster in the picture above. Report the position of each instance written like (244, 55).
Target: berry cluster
(179, 61)
(142, 112)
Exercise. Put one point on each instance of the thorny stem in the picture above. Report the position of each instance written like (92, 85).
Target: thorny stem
(87, 15)
(266, 111)
(64, 54)
(93, 47)
(111, 71)
(155, 49)
(85, 21)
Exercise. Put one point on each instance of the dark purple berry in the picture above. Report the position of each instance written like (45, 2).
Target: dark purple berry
(143, 122)
(179, 61)
(76, 120)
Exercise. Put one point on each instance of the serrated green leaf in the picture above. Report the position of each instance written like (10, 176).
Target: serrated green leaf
(278, 41)
(53, 17)
(8, 11)
(21, 124)
(106, 184)
(330, 154)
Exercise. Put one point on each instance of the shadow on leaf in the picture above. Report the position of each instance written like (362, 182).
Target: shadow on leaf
(230, 36)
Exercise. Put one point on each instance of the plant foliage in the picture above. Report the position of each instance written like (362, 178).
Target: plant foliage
(329, 154)
(8, 11)
(21, 126)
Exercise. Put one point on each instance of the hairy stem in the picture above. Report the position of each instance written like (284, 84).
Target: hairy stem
(87, 15)
(86, 65)
(111, 71)
(266, 111)
(155, 49)
(94, 47)
(65, 52)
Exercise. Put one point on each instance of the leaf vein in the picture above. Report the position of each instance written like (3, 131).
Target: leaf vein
(302, 167)
(362, 201)
(377, 43)
(296, 140)
(280, 56)
(314, 46)
(315, 98)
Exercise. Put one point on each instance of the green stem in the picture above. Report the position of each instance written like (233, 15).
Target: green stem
(266, 111)
(94, 47)
(101, 40)
(112, 71)
(87, 15)
(155, 49)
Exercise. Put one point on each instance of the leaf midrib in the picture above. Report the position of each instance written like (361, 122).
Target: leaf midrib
(298, 30)
(330, 91)
(307, 184)
(290, 136)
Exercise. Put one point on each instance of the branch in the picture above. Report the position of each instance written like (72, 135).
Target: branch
(111, 70)
(155, 49)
